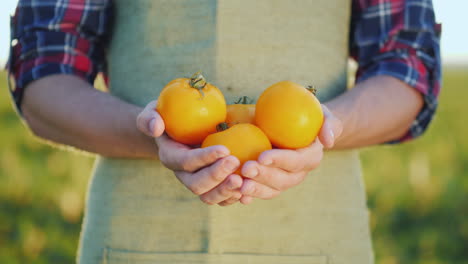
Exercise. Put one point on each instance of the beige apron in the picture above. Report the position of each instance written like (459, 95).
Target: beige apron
(138, 212)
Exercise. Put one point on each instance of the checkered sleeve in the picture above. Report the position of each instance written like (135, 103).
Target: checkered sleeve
(57, 37)
(401, 39)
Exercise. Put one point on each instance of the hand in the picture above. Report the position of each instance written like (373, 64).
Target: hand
(277, 170)
(207, 172)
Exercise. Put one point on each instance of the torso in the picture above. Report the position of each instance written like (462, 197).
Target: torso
(137, 210)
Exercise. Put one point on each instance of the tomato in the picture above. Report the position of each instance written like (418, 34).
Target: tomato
(289, 114)
(243, 111)
(244, 141)
(191, 108)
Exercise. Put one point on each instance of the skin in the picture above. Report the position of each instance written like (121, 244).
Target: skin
(382, 100)
(62, 109)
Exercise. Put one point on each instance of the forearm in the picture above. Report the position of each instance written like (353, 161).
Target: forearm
(67, 110)
(375, 111)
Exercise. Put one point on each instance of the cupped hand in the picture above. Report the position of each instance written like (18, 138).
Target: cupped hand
(277, 170)
(207, 172)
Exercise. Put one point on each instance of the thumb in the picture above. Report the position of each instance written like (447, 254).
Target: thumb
(150, 122)
(156, 126)
(331, 128)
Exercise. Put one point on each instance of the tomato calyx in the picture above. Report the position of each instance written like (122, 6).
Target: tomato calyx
(312, 89)
(198, 82)
(222, 126)
(244, 100)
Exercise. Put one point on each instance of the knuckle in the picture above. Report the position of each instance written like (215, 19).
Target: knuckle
(206, 156)
(231, 182)
(186, 165)
(246, 200)
(283, 185)
(253, 190)
(206, 200)
(249, 188)
(299, 178)
(209, 156)
(195, 189)
(224, 191)
(236, 196)
(228, 202)
(216, 175)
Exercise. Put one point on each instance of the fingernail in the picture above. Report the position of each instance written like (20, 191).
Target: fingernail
(252, 173)
(332, 136)
(151, 125)
(266, 162)
(222, 153)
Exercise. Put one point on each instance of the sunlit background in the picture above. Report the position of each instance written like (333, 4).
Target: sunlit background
(418, 192)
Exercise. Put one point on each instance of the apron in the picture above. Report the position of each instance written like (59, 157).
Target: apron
(138, 212)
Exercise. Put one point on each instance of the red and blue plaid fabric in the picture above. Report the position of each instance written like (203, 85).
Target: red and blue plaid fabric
(400, 39)
(57, 37)
(387, 37)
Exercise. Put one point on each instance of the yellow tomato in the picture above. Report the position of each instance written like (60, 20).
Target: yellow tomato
(244, 141)
(243, 111)
(191, 109)
(289, 114)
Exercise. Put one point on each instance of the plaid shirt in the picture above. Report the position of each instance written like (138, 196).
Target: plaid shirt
(387, 37)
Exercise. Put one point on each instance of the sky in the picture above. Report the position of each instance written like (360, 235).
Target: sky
(451, 13)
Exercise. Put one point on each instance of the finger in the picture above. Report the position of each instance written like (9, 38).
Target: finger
(258, 190)
(156, 126)
(226, 190)
(245, 199)
(234, 199)
(150, 122)
(208, 178)
(201, 157)
(170, 151)
(165, 142)
(177, 156)
(286, 159)
(331, 128)
(274, 178)
(326, 135)
(293, 160)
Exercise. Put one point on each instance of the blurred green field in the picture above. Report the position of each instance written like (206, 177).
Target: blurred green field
(418, 192)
